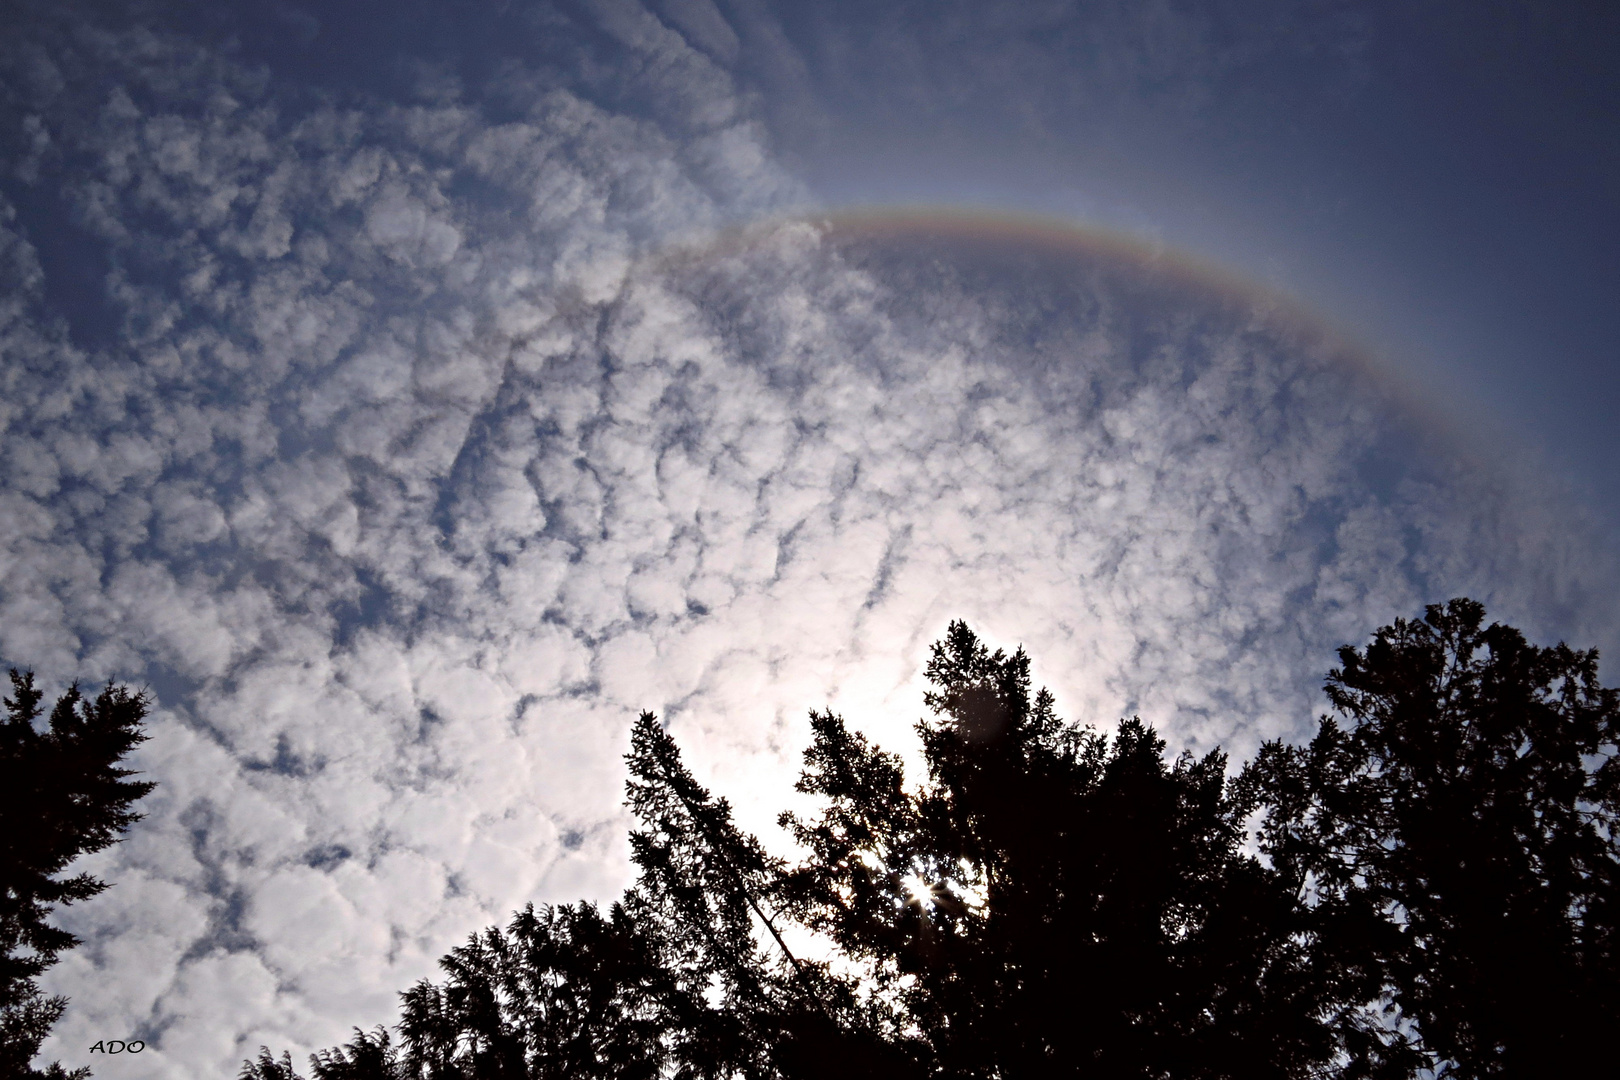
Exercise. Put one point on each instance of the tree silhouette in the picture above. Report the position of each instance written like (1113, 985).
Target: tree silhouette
(1051, 901)
(1457, 839)
(64, 796)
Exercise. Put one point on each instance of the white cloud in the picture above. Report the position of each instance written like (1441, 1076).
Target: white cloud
(428, 455)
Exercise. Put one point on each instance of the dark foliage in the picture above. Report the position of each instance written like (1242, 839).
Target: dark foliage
(1051, 901)
(64, 796)
(561, 992)
(1457, 839)
(672, 982)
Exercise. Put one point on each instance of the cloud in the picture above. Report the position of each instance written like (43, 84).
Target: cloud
(437, 438)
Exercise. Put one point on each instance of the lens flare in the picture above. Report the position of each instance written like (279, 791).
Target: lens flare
(918, 891)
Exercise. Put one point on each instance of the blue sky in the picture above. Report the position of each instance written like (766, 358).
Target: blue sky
(1439, 176)
(411, 395)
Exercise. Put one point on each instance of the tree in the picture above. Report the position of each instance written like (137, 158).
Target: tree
(66, 796)
(561, 992)
(1456, 838)
(1051, 901)
(1048, 900)
(672, 981)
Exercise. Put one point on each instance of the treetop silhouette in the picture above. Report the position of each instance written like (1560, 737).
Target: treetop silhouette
(1049, 900)
(1457, 838)
(64, 796)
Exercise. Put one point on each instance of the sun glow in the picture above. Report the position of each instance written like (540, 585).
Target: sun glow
(918, 891)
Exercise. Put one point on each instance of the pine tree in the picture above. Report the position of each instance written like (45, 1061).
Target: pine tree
(1435, 886)
(1457, 839)
(65, 796)
(1051, 901)
(673, 981)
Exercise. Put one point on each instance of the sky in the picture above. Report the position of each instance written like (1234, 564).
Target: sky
(410, 394)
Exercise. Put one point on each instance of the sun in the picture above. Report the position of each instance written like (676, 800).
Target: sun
(918, 890)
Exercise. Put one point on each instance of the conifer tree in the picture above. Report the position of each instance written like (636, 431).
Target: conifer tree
(64, 796)
(1051, 901)
(1048, 899)
(1435, 887)
(1457, 839)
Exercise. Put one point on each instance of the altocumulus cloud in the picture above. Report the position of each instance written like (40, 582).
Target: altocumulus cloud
(413, 446)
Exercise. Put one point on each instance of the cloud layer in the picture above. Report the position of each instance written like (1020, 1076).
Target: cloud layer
(407, 448)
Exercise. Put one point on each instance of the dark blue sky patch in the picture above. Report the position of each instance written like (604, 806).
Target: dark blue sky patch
(75, 263)
(369, 609)
(287, 762)
(326, 856)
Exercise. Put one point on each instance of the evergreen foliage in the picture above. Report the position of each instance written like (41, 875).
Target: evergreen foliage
(1052, 901)
(65, 796)
(1458, 839)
